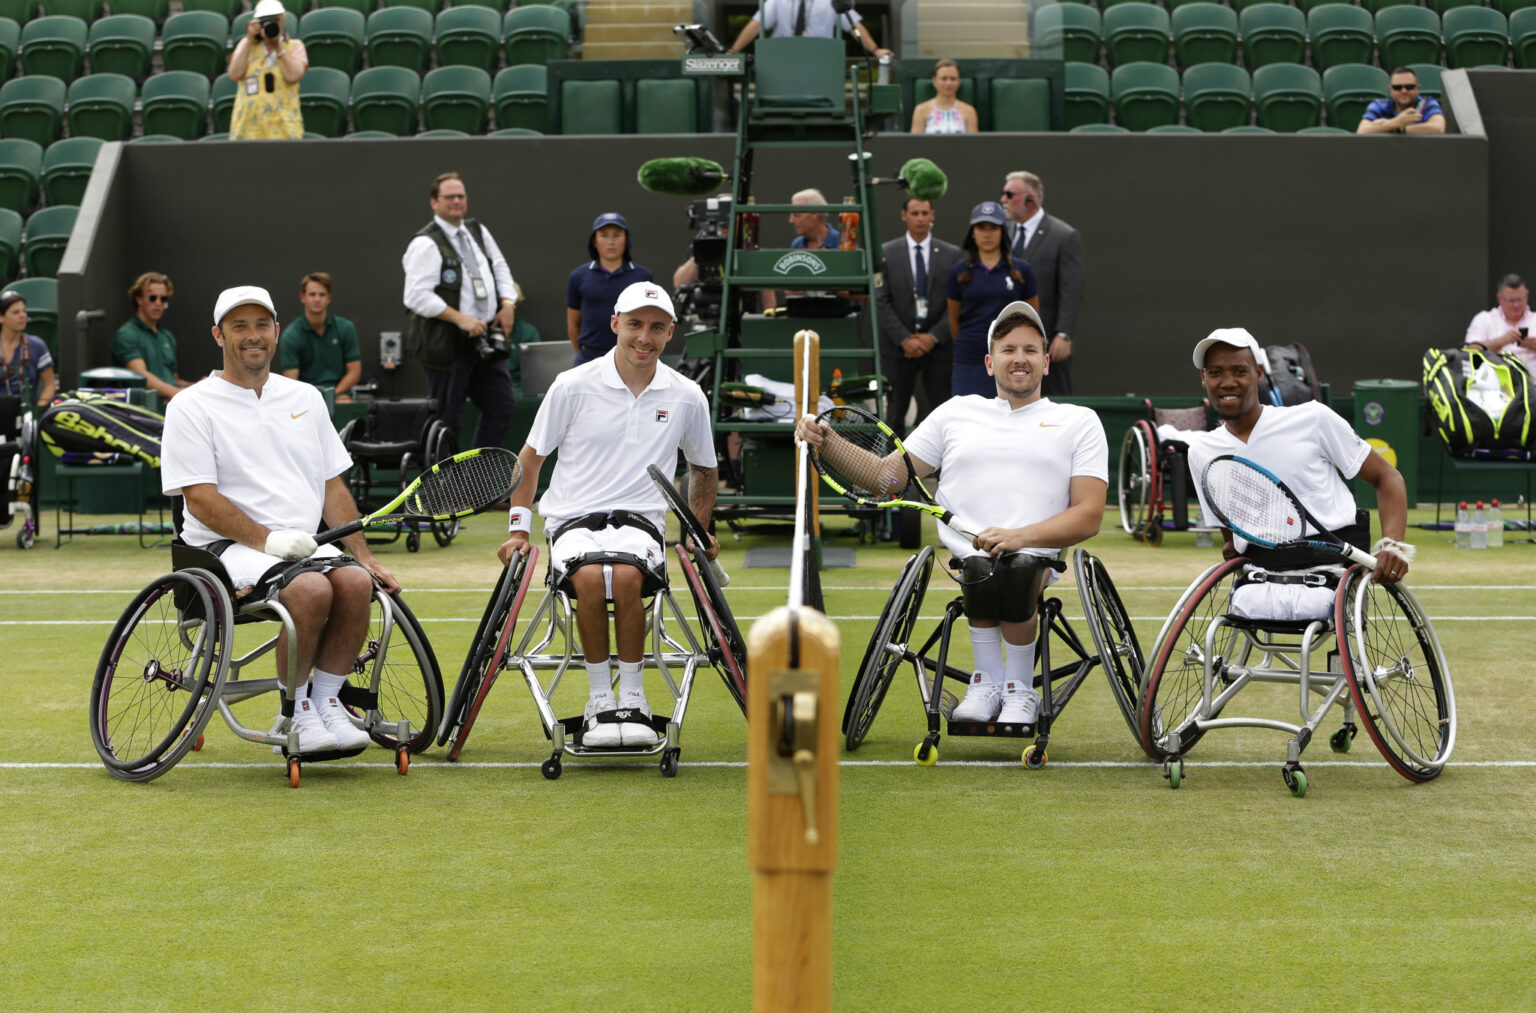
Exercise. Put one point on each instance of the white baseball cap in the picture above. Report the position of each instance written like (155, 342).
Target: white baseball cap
(644, 293)
(268, 9)
(1014, 309)
(242, 295)
(1237, 337)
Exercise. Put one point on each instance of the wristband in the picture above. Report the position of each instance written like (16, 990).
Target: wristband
(1402, 550)
(519, 519)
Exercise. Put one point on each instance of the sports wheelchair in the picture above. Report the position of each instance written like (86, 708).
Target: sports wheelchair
(1154, 476)
(549, 646)
(171, 661)
(401, 439)
(1114, 641)
(18, 467)
(1381, 662)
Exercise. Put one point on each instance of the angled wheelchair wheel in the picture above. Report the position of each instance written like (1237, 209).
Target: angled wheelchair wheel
(162, 665)
(1113, 635)
(441, 445)
(1138, 464)
(887, 648)
(1397, 675)
(410, 683)
(488, 653)
(1175, 678)
(727, 649)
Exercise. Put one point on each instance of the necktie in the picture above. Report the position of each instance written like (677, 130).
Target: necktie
(920, 273)
(471, 272)
(800, 19)
(1018, 241)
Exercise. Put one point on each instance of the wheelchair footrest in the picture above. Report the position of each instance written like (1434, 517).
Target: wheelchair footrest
(321, 755)
(573, 727)
(992, 729)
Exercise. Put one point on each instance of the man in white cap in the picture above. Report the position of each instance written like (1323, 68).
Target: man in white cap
(266, 66)
(1035, 472)
(1313, 450)
(603, 516)
(258, 464)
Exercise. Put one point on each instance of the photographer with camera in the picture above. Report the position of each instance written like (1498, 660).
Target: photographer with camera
(267, 66)
(460, 297)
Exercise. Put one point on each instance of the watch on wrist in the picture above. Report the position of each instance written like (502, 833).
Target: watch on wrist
(1063, 335)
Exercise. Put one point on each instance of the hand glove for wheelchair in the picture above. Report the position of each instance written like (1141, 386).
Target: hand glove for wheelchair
(290, 544)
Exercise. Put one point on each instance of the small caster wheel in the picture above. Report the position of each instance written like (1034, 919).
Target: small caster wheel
(402, 760)
(669, 763)
(550, 768)
(1034, 757)
(198, 746)
(1153, 535)
(293, 773)
(1173, 770)
(1340, 740)
(413, 542)
(1295, 779)
(926, 754)
(25, 538)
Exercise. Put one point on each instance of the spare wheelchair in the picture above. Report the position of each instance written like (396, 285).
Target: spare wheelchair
(390, 447)
(1154, 479)
(1115, 648)
(170, 662)
(1379, 660)
(18, 467)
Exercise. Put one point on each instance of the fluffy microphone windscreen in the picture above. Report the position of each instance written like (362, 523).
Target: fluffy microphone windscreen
(925, 181)
(681, 177)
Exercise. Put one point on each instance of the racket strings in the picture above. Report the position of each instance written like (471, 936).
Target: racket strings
(1253, 503)
(462, 485)
(854, 457)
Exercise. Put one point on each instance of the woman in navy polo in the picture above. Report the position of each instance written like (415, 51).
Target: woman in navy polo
(979, 287)
(595, 286)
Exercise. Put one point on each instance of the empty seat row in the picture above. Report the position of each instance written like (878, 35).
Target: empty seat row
(1505, 7)
(22, 11)
(58, 173)
(47, 234)
(462, 36)
(102, 106)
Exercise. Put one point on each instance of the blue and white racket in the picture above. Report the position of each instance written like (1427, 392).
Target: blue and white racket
(1253, 501)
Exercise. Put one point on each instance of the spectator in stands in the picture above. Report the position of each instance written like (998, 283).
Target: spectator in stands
(26, 366)
(141, 344)
(815, 18)
(981, 283)
(320, 347)
(914, 319)
(267, 65)
(460, 297)
(811, 229)
(945, 113)
(1510, 326)
(1054, 251)
(1405, 111)
(595, 286)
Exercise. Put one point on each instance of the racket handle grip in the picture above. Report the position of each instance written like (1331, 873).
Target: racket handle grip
(1363, 558)
(960, 526)
(720, 574)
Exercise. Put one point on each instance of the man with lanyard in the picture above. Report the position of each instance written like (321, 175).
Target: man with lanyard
(1035, 472)
(811, 18)
(913, 315)
(603, 516)
(1313, 450)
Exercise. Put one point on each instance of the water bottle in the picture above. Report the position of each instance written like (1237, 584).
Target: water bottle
(1495, 527)
(1479, 527)
(849, 223)
(1463, 527)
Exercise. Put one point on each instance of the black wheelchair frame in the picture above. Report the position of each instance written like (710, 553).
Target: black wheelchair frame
(401, 439)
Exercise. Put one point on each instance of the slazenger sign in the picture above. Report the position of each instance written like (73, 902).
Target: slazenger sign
(800, 258)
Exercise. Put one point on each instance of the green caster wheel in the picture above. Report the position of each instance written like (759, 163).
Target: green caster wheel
(1295, 779)
(1341, 740)
(1173, 770)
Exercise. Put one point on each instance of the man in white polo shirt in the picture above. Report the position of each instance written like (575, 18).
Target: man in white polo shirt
(1033, 470)
(259, 465)
(610, 418)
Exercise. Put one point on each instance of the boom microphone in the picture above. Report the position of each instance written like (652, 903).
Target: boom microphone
(684, 177)
(923, 179)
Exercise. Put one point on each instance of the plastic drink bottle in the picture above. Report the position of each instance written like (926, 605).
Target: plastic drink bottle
(1495, 526)
(1463, 527)
(751, 225)
(849, 223)
(1479, 527)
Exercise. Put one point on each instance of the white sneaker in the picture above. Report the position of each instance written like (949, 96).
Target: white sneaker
(636, 734)
(1021, 704)
(600, 734)
(314, 737)
(982, 701)
(334, 717)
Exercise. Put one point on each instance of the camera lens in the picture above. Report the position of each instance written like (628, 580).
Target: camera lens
(270, 27)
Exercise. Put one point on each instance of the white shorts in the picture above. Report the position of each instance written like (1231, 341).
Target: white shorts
(582, 541)
(1283, 602)
(246, 565)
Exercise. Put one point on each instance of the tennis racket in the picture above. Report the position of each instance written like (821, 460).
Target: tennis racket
(464, 484)
(862, 459)
(687, 522)
(1253, 501)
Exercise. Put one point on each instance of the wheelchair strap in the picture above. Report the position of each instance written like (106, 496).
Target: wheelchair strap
(355, 696)
(574, 727)
(617, 519)
(1328, 578)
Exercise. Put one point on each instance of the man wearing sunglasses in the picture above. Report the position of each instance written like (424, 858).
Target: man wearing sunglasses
(1054, 251)
(1405, 111)
(141, 344)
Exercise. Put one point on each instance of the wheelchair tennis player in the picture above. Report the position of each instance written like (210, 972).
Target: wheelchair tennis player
(1036, 472)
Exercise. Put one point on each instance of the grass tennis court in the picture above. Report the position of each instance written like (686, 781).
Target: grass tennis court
(973, 885)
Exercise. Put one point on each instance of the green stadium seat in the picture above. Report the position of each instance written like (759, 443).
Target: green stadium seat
(1429, 79)
(591, 107)
(1021, 104)
(221, 136)
(42, 296)
(1272, 33)
(666, 106)
(1136, 32)
(19, 11)
(54, 46)
(468, 36)
(1508, 8)
(1100, 128)
(10, 41)
(67, 167)
(521, 95)
(333, 37)
(1175, 128)
(222, 101)
(1249, 129)
(363, 7)
(370, 135)
(47, 235)
(121, 44)
(1406, 35)
(1287, 97)
(324, 98)
(292, 24)
(444, 132)
(1076, 30)
(1242, 5)
(1107, 4)
(1522, 38)
(1217, 96)
(197, 41)
(516, 132)
(456, 98)
(1348, 88)
(1475, 37)
(21, 166)
(85, 10)
(1441, 6)
(399, 37)
(1174, 5)
(33, 108)
(1336, 131)
(10, 247)
(228, 8)
(386, 98)
(176, 103)
(1341, 33)
(1308, 6)
(1086, 94)
(1375, 6)
(155, 139)
(1204, 33)
(535, 34)
(1145, 95)
(154, 10)
(101, 106)
(430, 6)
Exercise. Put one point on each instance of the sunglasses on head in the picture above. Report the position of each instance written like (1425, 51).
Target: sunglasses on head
(1405, 87)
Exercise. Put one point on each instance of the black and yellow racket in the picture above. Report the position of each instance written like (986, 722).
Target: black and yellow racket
(462, 485)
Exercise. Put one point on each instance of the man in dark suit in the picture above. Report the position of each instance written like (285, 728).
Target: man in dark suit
(1054, 250)
(913, 314)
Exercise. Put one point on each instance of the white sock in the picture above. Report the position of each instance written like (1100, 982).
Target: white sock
(599, 677)
(631, 676)
(1021, 664)
(324, 685)
(987, 647)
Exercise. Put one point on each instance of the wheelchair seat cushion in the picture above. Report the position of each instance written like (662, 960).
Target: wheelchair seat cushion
(1289, 596)
(1006, 588)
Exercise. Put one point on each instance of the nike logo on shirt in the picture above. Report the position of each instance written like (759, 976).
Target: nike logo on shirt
(297, 414)
(1049, 425)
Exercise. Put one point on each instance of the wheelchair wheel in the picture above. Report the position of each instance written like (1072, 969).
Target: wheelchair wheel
(488, 653)
(1113, 635)
(441, 445)
(410, 683)
(162, 666)
(1175, 678)
(1138, 461)
(886, 650)
(727, 649)
(1397, 675)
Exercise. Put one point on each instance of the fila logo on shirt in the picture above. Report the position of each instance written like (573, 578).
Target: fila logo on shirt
(662, 414)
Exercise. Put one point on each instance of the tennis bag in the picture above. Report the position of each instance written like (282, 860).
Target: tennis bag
(1289, 376)
(1479, 401)
(100, 427)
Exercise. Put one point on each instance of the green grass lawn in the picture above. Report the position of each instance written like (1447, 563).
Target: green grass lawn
(973, 885)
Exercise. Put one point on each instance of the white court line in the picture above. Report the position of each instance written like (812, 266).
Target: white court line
(1074, 764)
(425, 620)
(130, 592)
